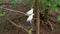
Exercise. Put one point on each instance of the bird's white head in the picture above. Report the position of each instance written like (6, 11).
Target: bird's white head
(29, 12)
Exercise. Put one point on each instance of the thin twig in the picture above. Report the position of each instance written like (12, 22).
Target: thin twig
(52, 28)
(33, 4)
(19, 26)
(13, 10)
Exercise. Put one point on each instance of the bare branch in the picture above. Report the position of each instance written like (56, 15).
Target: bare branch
(13, 10)
(19, 26)
(52, 28)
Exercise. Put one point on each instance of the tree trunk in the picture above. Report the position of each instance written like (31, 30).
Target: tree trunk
(36, 7)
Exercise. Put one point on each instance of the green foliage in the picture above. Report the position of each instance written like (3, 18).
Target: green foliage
(14, 2)
(58, 18)
(58, 2)
(50, 3)
(1, 12)
(30, 30)
(2, 15)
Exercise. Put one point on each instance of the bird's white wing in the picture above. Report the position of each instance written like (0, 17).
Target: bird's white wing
(29, 12)
(30, 18)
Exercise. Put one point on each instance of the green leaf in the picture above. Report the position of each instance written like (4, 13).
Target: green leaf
(48, 3)
(56, 9)
(58, 18)
(58, 2)
(30, 30)
(2, 14)
(14, 2)
(51, 10)
(54, 4)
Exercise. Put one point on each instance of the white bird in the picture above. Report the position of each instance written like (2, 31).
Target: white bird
(29, 19)
(29, 12)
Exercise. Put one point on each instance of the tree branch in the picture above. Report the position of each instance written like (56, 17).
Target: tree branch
(13, 10)
(19, 26)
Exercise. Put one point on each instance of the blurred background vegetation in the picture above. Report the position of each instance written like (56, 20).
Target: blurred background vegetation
(50, 5)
